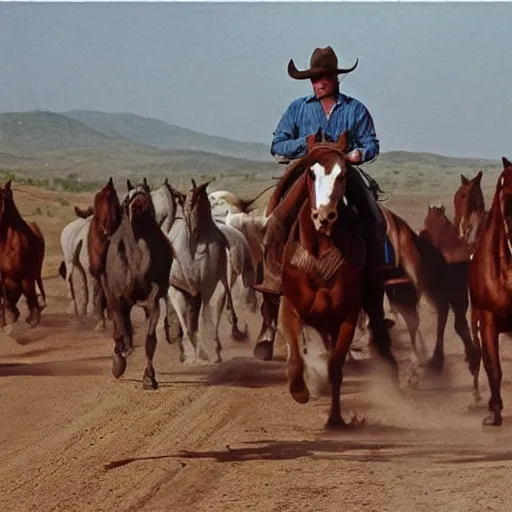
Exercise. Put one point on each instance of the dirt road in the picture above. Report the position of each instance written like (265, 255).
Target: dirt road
(228, 437)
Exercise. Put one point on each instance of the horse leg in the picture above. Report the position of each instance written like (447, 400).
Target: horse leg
(236, 333)
(12, 294)
(460, 303)
(153, 313)
(491, 359)
(291, 325)
(219, 306)
(187, 310)
(28, 287)
(251, 299)
(475, 332)
(436, 363)
(462, 329)
(341, 345)
(171, 319)
(264, 349)
(99, 306)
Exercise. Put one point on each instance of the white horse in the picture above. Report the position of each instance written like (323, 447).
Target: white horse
(199, 268)
(74, 268)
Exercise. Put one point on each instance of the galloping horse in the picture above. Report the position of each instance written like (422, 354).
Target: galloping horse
(322, 269)
(106, 211)
(490, 287)
(440, 281)
(137, 267)
(22, 249)
(469, 206)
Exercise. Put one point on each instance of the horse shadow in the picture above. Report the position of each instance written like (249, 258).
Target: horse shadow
(343, 448)
(63, 368)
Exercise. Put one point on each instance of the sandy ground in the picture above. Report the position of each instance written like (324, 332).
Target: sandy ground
(228, 437)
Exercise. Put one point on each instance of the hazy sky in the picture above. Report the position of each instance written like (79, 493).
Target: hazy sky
(436, 77)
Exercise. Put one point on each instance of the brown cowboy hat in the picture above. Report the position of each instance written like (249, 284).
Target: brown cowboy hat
(323, 61)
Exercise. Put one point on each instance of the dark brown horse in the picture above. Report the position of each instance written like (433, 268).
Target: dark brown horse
(322, 269)
(22, 249)
(106, 211)
(136, 272)
(469, 207)
(490, 287)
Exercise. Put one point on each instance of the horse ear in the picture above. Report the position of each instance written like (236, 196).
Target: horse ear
(145, 184)
(314, 138)
(166, 181)
(205, 184)
(111, 182)
(129, 185)
(478, 177)
(343, 141)
(8, 185)
(443, 209)
(505, 162)
(463, 179)
(193, 182)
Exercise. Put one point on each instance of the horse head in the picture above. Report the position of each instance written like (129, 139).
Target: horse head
(436, 220)
(503, 197)
(107, 209)
(468, 199)
(196, 207)
(138, 203)
(6, 200)
(326, 165)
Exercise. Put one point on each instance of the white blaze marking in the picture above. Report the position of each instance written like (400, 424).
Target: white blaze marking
(324, 183)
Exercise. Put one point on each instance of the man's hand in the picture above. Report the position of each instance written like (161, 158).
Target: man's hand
(355, 156)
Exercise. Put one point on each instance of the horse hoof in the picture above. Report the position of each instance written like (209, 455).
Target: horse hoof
(494, 419)
(413, 381)
(299, 390)
(338, 423)
(264, 350)
(118, 366)
(149, 382)
(435, 365)
(99, 327)
(238, 335)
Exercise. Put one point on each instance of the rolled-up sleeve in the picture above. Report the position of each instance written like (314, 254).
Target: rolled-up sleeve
(286, 142)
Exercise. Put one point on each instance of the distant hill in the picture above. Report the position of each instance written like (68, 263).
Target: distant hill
(50, 146)
(28, 133)
(157, 133)
(407, 157)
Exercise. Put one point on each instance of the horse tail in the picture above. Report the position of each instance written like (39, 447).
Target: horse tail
(62, 270)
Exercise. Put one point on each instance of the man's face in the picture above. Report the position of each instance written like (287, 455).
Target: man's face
(324, 86)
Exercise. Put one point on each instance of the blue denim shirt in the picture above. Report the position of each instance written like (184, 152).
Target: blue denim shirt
(305, 116)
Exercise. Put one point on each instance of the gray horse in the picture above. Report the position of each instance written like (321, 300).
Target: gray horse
(164, 201)
(199, 266)
(138, 265)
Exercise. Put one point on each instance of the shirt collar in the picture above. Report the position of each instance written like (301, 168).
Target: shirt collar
(339, 101)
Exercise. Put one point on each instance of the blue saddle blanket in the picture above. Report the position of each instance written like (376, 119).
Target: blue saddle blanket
(389, 253)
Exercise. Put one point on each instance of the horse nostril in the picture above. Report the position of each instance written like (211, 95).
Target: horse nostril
(315, 215)
(332, 216)
(324, 222)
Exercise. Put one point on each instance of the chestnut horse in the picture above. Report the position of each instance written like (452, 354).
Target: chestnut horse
(22, 249)
(442, 283)
(490, 287)
(106, 211)
(322, 270)
(469, 207)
